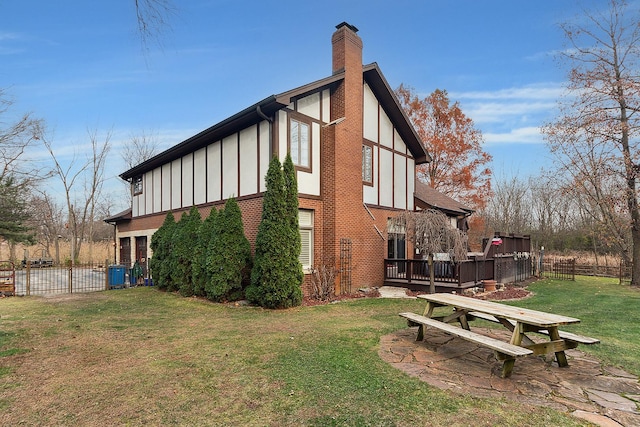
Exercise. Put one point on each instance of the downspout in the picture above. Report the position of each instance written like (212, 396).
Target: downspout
(270, 121)
(115, 243)
(263, 115)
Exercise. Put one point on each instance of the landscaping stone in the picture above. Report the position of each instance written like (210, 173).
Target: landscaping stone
(604, 396)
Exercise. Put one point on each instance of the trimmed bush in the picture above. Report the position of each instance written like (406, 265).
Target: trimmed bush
(229, 256)
(293, 243)
(199, 265)
(276, 276)
(162, 247)
(185, 251)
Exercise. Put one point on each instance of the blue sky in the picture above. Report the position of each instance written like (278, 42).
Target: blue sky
(80, 65)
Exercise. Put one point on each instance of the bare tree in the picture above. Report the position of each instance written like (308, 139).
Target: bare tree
(508, 209)
(153, 18)
(431, 232)
(81, 203)
(17, 136)
(598, 123)
(140, 148)
(48, 221)
(137, 150)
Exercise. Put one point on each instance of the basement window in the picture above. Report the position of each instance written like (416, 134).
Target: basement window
(305, 220)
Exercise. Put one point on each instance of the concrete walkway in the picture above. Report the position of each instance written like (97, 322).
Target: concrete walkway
(393, 292)
(603, 395)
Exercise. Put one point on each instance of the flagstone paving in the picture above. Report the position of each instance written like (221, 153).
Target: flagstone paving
(603, 395)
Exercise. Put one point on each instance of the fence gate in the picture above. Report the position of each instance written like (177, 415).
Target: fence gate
(345, 266)
(7, 278)
(559, 268)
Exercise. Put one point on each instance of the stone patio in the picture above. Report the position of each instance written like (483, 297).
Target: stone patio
(603, 395)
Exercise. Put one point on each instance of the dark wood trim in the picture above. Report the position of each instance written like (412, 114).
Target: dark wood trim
(238, 179)
(258, 126)
(220, 168)
(307, 120)
(309, 196)
(206, 172)
(275, 136)
(221, 202)
(385, 208)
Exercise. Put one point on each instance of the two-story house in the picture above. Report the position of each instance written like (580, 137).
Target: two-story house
(355, 153)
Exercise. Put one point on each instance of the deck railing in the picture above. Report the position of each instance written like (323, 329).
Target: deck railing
(459, 273)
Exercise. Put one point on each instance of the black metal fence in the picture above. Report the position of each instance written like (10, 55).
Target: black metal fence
(558, 268)
(92, 277)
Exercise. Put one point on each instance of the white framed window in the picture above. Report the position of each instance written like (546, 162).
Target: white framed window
(305, 221)
(300, 143)
(136, 185)
(367, 164)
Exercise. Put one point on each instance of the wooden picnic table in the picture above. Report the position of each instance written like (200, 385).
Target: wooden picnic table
(519, 321)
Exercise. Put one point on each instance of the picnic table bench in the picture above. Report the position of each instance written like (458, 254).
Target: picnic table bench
(519, 321)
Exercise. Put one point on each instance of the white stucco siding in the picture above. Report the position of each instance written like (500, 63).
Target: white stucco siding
(166, 187)
(187, 180)
(386, 130)
(370, 115)
(310, 105)
(283, 134)
(398, 143)
(249, 161)
(309, 182)
(411, 183)
(200, 176)
(148, 192)
(157, 190)
(265, 154)
(230, 166)
(176, 187)
(135, 205)
(214, 172)
(386, 178)
(326, 106)
(399, 181)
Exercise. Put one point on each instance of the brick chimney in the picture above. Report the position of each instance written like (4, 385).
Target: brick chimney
(347, 48)
(347, 212)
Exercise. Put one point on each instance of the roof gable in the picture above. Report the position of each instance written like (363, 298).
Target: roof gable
(387, 98)
(432, 198)
(264, 110)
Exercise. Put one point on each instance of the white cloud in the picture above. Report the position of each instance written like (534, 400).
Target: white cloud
(8, 36)
(499, 112)
(523, 135)
(538, 91)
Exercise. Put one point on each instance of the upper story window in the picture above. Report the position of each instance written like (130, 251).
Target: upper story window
(136, 185)
(367, 164)
(300, 143)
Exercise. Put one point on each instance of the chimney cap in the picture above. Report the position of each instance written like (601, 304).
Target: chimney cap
(349, 26)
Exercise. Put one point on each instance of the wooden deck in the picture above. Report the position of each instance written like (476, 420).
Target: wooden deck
(423, 285)
(414, 275)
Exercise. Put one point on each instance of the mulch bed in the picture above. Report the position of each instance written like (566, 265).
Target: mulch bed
(508, 292)
(363, 293)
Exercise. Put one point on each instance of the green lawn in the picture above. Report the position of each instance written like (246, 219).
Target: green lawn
(607, 311)
(140, 356)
